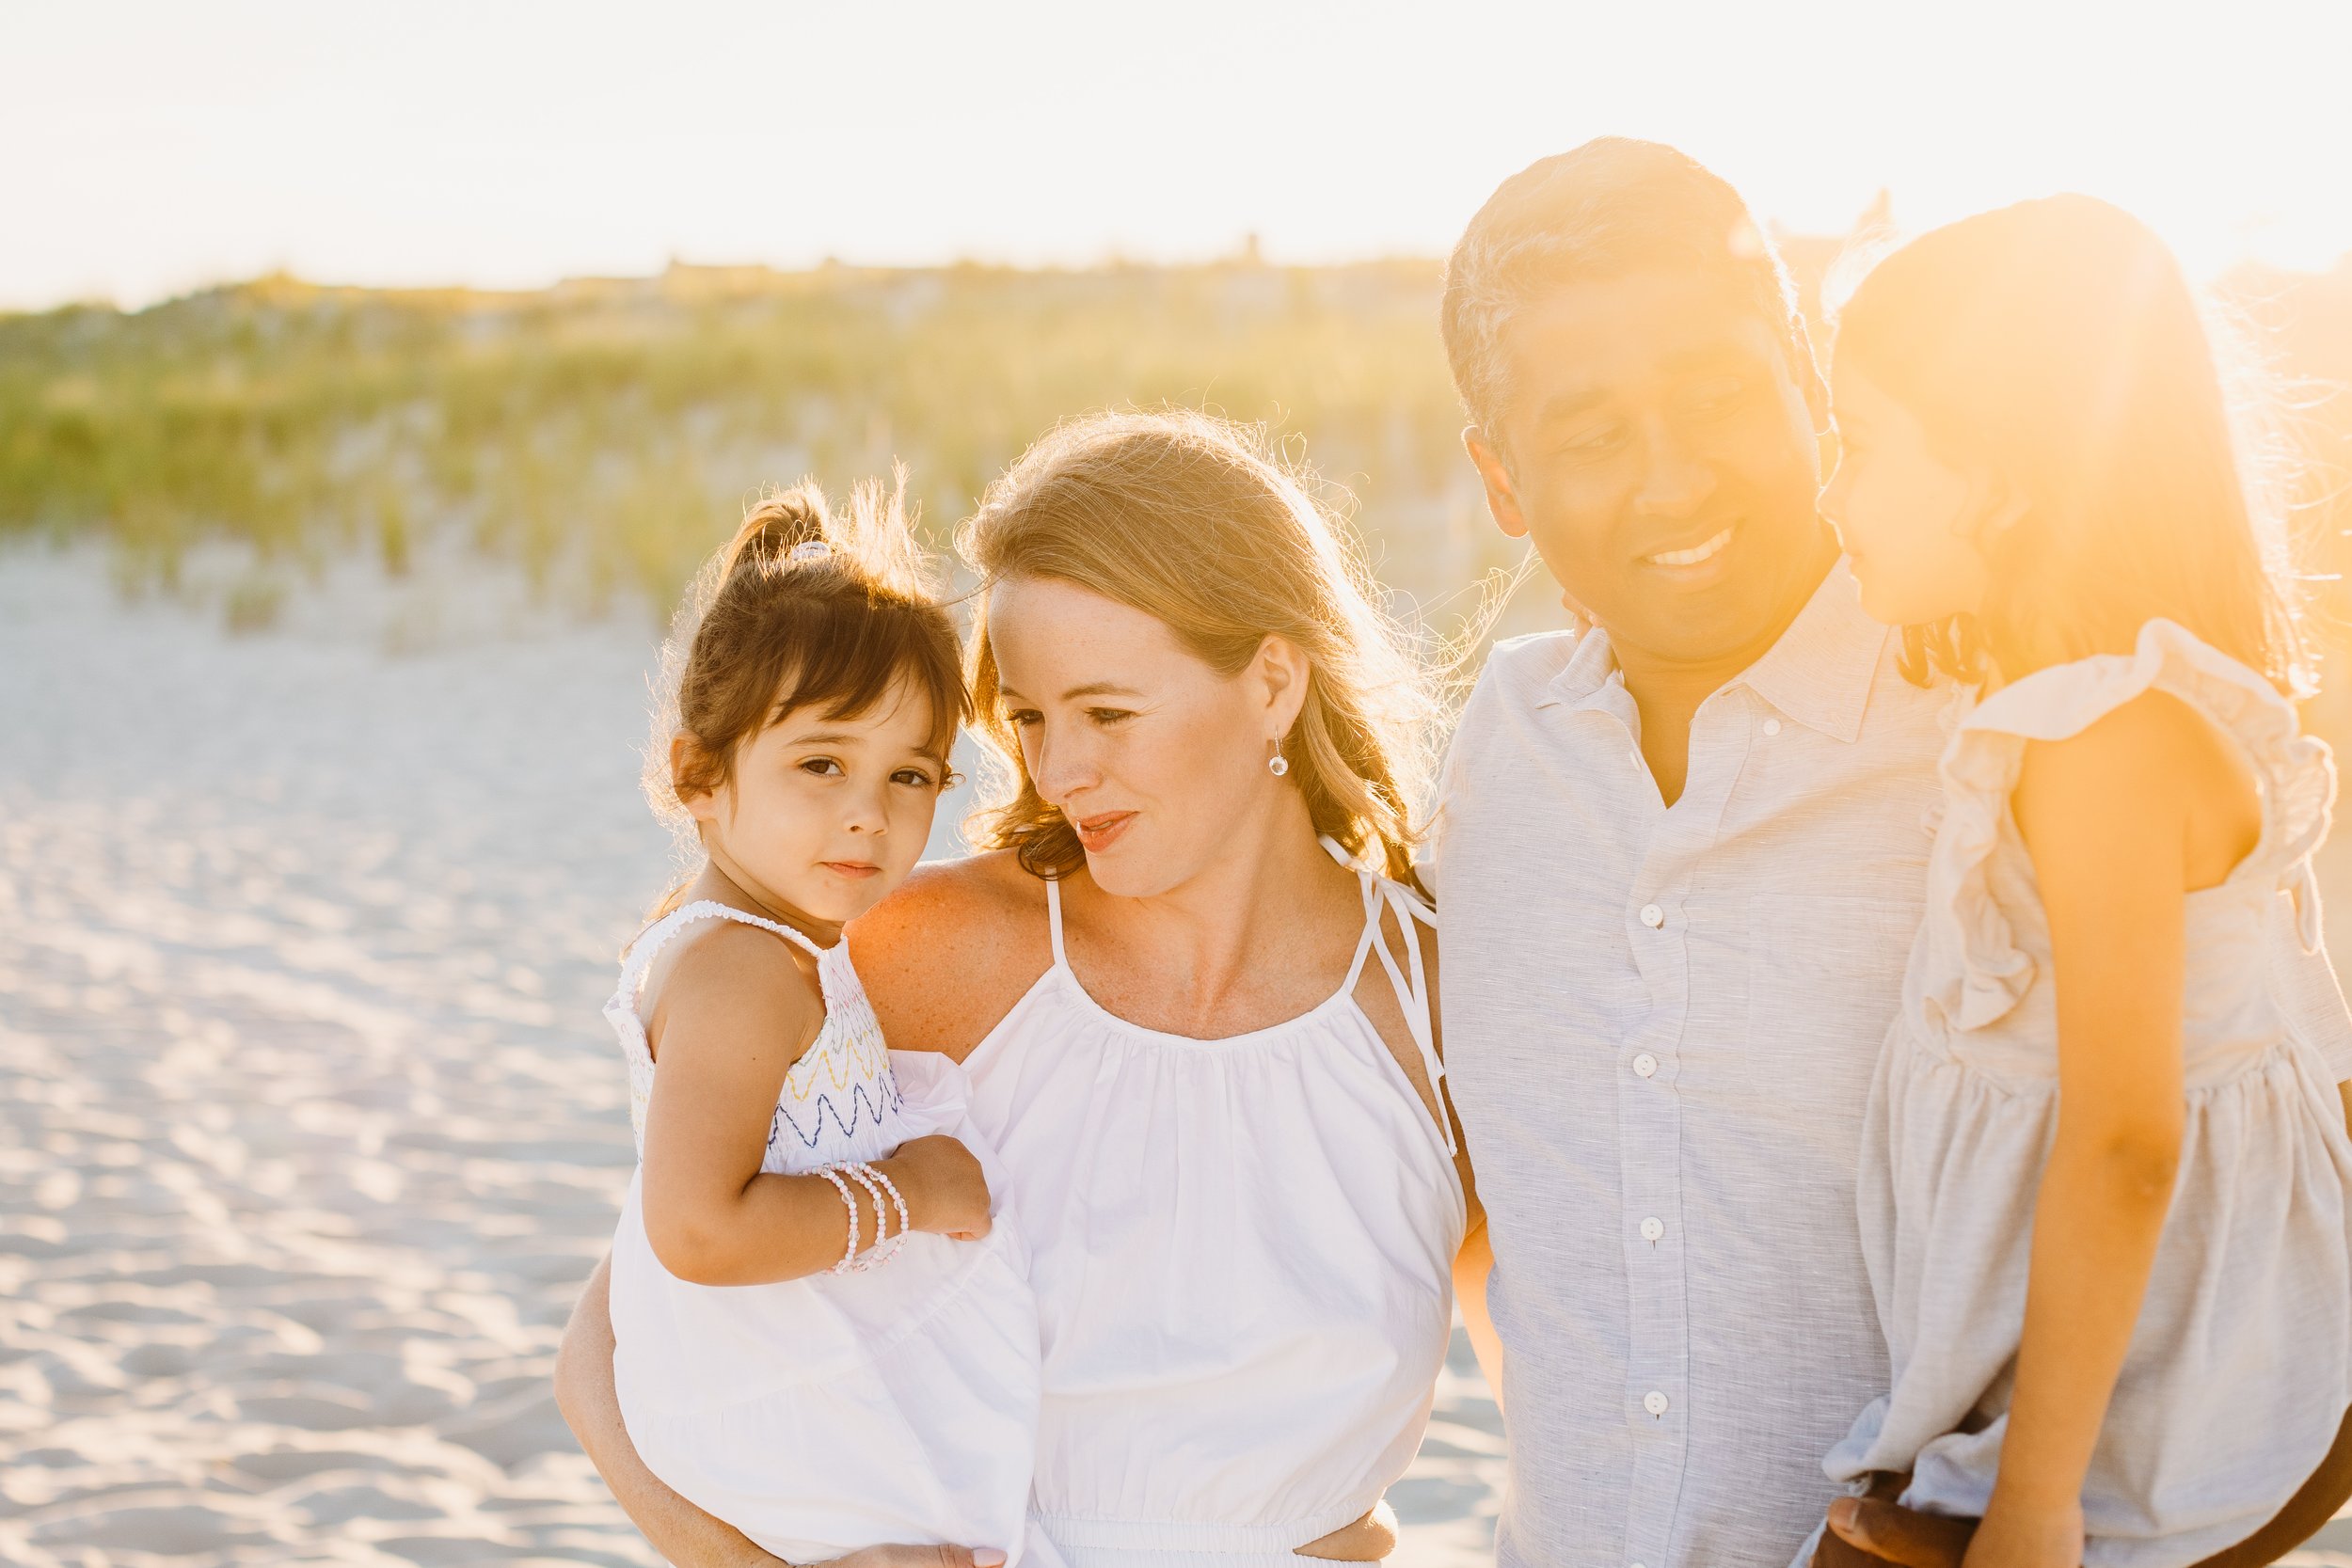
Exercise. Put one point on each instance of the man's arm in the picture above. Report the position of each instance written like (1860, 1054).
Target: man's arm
(682, 1533)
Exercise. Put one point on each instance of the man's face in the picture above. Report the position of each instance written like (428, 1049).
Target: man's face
(1659, 450)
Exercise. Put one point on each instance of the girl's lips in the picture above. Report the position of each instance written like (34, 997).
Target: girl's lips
(1100, 832)
(856, 870)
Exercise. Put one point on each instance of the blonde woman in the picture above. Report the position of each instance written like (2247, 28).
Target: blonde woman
(1192, 980)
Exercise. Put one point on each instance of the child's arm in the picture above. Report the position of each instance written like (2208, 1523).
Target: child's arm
(735, 1012)
(2109, 817)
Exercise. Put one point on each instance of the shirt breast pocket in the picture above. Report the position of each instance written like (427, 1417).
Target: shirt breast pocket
(1825, 979)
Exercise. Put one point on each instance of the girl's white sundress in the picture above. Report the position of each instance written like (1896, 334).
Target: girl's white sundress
(1243, 1253)
(821, 1415)
(2240, 1369)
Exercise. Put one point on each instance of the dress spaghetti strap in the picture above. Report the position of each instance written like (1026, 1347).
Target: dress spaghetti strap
(1053, 920)
(657, 936)
(1410, 981)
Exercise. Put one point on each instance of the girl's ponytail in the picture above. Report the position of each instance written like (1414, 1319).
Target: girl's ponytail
(774, 531)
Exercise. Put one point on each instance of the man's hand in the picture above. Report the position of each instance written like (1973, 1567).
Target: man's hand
(1876, 1529)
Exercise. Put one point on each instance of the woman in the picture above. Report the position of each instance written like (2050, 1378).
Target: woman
(1202, 1038)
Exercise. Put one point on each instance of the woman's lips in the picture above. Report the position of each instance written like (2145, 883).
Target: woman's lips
(1097, 834)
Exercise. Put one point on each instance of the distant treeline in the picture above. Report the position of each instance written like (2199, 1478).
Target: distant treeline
(604, 433)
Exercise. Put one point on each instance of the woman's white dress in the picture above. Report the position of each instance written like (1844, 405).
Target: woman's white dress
(838, 1411)
(1242, 1251)
(2240, 1369)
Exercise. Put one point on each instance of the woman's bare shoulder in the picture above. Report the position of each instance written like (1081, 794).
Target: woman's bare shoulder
(950, 951)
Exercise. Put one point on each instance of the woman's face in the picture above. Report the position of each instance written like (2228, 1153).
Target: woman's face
(1156, 758)
(1906, 520)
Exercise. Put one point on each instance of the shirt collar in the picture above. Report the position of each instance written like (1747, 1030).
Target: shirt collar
(1818, 673)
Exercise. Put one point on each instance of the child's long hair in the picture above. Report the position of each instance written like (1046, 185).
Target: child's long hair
(802, 608)
(2057, 344)
(1186, 517)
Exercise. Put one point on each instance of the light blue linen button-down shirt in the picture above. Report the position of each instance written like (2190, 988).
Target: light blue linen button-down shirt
(1660, 1026)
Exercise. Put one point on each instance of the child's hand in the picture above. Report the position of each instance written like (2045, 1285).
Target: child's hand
(941, 1183)
(2014, 1537)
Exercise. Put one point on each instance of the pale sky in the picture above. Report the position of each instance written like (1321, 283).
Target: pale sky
(152, 148)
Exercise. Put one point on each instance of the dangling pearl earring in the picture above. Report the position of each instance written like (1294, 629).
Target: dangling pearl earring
(1276, 763)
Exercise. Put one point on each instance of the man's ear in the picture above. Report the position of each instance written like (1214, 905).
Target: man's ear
(1503, 498)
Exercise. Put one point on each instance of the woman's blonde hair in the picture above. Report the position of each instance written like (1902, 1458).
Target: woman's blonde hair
(2057, 343)
(1188, 519)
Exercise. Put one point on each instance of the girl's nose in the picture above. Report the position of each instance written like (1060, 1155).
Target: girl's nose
(868, 814)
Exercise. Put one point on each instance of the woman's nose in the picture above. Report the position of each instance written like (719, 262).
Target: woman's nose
(1061, 766)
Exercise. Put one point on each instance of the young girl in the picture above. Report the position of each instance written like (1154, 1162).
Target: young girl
(2104, 1192)
(822, 1338)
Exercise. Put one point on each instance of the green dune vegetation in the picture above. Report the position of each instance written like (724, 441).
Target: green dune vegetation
(603, 434)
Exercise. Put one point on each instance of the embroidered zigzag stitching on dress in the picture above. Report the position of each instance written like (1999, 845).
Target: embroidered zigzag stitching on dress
(860, 1103)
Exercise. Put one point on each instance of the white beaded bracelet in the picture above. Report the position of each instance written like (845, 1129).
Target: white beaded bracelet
(859, 1174)
(899, 1238)
(849, 1201)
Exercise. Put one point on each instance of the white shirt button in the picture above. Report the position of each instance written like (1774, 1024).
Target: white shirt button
(1652, 1229)
(1655, 1402)
(1646, 1063)
(1771, 726)
(1652, 917)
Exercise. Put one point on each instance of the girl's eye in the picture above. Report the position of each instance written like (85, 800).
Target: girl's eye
(822, 766)
(913, 778)
(1719, 393)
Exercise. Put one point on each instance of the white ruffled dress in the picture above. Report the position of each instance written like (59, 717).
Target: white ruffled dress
(2240, 1369)
(821, 1415)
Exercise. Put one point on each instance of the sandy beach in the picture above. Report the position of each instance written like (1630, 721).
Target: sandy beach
(309, 1127)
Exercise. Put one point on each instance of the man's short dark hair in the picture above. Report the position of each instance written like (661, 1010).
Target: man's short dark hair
(1611, 207)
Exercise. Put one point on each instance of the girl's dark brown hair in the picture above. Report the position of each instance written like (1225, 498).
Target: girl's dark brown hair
(1187, 518)
(2057, 345)
(803, 607)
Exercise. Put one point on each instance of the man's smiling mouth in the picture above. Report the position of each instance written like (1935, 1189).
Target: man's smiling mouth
(1706, 549)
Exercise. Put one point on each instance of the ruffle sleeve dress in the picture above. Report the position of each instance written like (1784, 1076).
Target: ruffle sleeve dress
(2240, 1369)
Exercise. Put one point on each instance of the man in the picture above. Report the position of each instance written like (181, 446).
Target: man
(1682, 856)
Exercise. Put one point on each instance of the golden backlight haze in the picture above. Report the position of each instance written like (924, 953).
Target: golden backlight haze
(156, 147)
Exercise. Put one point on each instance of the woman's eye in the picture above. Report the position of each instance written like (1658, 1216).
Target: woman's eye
(1110, 715)
(1022, 717)
(822, 766)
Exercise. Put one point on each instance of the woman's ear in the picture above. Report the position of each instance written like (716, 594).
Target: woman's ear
(1281, 669)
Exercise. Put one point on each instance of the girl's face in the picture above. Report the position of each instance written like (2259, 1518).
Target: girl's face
(823, 815)
(1907, 521)
(1156, 759)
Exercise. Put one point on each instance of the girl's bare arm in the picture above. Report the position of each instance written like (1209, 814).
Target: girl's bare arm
(2111, 817)
(731, 1017)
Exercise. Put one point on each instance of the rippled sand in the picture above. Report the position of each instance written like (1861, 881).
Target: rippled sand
(309, 1126)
